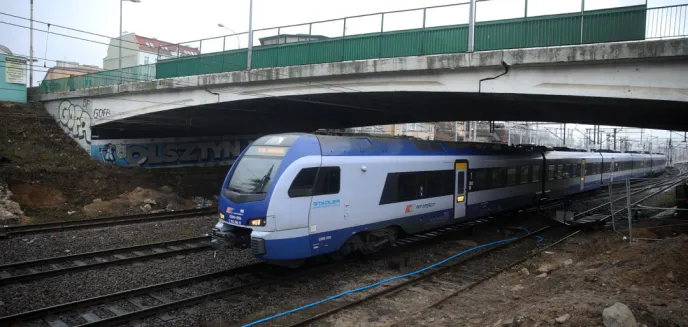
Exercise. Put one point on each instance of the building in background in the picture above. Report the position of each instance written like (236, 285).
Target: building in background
(13, 71)
(64, 69)
(289, 38)
(140, 50)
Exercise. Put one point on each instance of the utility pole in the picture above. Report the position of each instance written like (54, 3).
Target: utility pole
(642, 145)
(564, 134)
(31, 48)
(471, 25)
(615, 139)
(250, 35)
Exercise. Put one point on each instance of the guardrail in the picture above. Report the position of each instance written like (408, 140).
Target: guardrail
(395, 35)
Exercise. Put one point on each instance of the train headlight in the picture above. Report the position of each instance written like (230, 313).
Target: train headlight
(222, 216)
(256, 222)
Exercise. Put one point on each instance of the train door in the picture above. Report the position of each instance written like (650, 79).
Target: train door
(611, 171)
(460, 176)
(582, 175)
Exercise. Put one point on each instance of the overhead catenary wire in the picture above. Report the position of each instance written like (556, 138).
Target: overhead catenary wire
(108, 44)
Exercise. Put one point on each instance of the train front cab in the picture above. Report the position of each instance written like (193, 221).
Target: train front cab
(247, 200)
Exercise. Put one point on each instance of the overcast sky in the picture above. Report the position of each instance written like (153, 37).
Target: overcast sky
(183, 20)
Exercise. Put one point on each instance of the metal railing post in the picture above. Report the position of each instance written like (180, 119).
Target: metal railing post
(200, 50)
(222, 61)
(471, 26)
(308, 54)
(179, 50)
(249, 52)
(343, 37)
(422, 39)
(628, 205)
(582, 20)
(379, 37)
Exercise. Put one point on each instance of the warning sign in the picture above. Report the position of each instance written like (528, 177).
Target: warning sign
(15, 70)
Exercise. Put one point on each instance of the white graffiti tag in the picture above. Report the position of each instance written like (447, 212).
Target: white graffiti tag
(76, 120)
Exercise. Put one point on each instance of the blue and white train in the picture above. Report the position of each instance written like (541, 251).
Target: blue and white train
(295, 196)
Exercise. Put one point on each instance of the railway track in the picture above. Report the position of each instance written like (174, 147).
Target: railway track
(115, 308)
(36, 269)
(441, 282)
(159, 299)
(9, 231)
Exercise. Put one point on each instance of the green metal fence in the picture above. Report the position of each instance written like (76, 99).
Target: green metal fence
(101, 78)
(596, 26)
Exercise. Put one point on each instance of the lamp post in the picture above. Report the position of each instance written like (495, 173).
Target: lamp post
(250, 35)
(235, 34)
(120, 36)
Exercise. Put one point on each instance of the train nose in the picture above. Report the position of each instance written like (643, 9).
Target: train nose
(223, 239)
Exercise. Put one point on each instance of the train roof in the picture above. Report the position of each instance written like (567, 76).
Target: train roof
(363, 144)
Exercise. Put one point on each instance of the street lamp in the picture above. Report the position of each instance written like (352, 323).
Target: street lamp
(235, 34)
(120, 36)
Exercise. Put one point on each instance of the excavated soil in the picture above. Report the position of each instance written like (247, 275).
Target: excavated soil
(53, 178)
(649, 277)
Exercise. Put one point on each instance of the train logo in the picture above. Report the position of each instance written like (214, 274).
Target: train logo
(408, 208)
(326, 203)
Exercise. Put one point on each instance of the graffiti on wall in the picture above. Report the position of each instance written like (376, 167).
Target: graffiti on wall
(168, 154)
(76, 119)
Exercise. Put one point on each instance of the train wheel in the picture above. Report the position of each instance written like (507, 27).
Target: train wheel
(351, 245)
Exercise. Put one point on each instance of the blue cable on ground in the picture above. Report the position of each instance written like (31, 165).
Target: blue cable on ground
(382, 281)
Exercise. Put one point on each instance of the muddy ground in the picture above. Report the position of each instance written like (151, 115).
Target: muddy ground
(648, 277)
(52, 178)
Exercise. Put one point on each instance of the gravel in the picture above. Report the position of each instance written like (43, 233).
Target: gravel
(77, 286)
(356, 272)
(37, 246)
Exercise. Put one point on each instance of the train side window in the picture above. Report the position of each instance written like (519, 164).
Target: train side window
(510, 176)
(409, 187)
(598, 168)
(328, 181)
(439, 183)
(550, 172)
(478, 180)
(460, 186)
(303, 183)
(567, 171)
(497, 177)
(536, 174)
(588, 169)
(560, 168)
(525, 174)
(575, 170)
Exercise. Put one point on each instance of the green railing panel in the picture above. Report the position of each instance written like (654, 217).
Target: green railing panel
(292, 54)
(500, 35)
(235, 60)
(607, 25)
(401, 44)
(548, 31)
(264, 56)
(451, 39)
(614, 25)
(101, 78)
(361, 47)
(325, 51)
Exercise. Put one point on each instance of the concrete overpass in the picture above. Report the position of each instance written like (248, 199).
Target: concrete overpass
(638, 83)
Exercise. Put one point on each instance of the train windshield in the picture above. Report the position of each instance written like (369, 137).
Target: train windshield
(254, 175)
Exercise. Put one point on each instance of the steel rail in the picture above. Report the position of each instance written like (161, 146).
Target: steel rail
(6, 231)
(71, 306)
(416, 279)
(7, 278)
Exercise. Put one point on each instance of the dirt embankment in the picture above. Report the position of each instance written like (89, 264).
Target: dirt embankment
(53, 178)
(572, 285)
